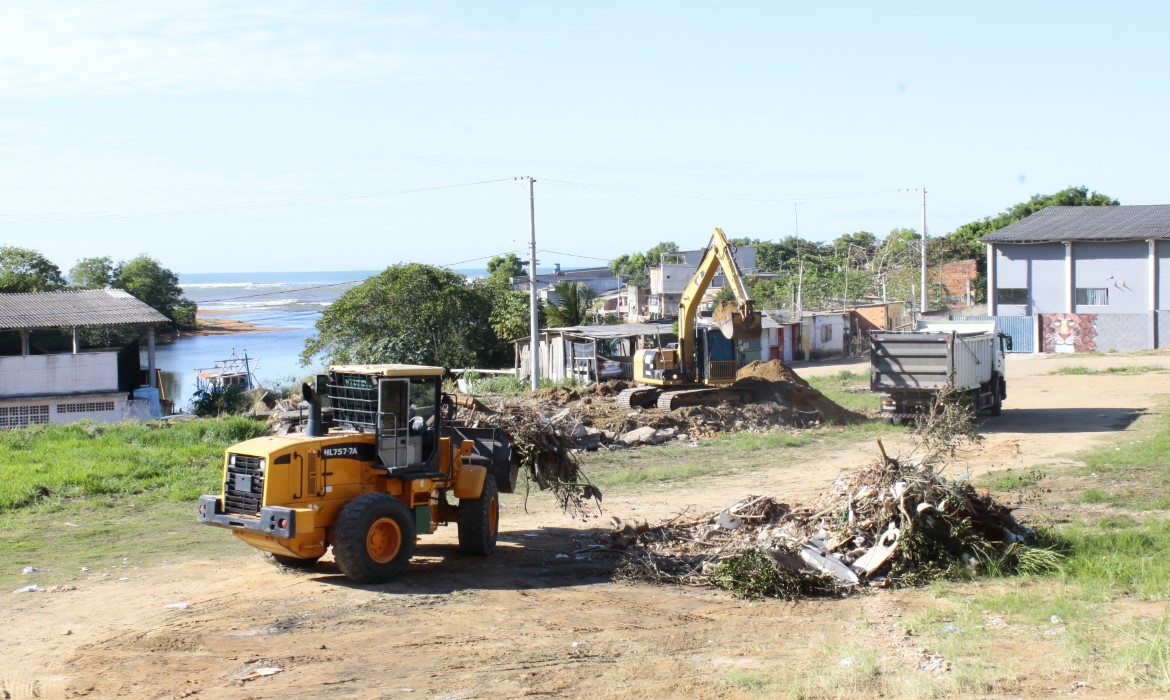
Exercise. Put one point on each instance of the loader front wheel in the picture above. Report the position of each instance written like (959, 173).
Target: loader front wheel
(479, 520)
(373, 538)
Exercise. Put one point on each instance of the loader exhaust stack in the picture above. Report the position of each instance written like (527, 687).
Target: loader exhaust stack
(314, 427)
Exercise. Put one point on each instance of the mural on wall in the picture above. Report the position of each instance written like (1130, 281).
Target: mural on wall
(1068, 332)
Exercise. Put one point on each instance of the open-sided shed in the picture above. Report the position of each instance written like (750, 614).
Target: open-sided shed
(572, 351)
(63, 387)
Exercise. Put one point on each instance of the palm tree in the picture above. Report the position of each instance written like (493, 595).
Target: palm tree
(573, 309)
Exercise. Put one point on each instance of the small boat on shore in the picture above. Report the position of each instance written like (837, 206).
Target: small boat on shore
(234, 371)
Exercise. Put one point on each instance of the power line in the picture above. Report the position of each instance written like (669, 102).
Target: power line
(730, 196)
(573, 255)
(223, 207)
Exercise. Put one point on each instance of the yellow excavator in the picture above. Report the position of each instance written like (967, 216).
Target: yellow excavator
(701, 370)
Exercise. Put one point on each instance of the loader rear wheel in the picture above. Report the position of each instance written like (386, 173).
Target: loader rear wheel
(479, 520)
(289, 562)
(373, 538)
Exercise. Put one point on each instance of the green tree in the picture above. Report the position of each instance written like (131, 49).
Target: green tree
(963, 243)
(510, 309)
(573, 309)
(409, 313)
(156, 286)
(635, 268)
(92, 273)
(506, 267)
(26, 270)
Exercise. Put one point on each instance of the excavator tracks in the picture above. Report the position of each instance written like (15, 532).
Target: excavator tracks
(638, 397)
(706, 396)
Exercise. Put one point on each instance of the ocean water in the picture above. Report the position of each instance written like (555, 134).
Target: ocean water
(292, 301)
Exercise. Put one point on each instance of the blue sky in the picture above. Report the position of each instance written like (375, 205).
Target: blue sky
(220, 136)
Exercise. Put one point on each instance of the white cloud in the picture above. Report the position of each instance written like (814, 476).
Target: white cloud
(55, 48)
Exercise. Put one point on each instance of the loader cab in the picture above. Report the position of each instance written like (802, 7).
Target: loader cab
(407, 421)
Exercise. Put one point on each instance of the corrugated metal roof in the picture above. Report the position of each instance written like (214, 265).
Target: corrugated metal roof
(90, 307)
(617, 330)
(1118, 223)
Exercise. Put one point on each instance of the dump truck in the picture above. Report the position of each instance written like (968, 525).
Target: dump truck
(965, 359)
(701, 369)
(380, 473)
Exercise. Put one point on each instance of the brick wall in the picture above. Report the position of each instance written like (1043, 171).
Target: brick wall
(955, 277)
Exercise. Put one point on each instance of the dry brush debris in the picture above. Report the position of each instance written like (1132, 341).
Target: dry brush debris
(894, 522)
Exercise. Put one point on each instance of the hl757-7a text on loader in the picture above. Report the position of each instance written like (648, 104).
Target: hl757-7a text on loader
(371, 483)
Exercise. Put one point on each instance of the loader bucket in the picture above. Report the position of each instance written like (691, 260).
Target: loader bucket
(734, 323)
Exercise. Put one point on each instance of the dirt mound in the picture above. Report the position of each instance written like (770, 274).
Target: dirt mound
(771, 371)
(773, 381)
(563, 395)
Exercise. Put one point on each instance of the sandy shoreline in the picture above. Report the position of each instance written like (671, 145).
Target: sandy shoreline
(212, 323)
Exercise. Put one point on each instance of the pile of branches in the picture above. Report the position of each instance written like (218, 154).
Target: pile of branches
(545, 450)
(892, 523)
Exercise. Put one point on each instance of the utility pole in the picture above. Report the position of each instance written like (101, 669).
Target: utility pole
(534, 316)
(923, 280)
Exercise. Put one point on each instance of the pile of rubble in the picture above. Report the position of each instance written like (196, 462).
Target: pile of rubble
(891, 523)
(594, 420)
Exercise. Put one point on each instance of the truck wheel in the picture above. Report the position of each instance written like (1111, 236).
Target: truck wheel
(997, 402)
(289, 562)
(479, 520)
(373, 538)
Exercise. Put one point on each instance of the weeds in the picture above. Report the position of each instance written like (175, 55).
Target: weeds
(176, 460)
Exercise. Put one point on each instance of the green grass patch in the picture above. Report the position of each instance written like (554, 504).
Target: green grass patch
(849, 389)
(174, 461)
(1011, 480)
(734, 453)
(751, 682)
(1096, 496)
(1104, 560)
(1147, 451)
(110, 535)
(1125, 369)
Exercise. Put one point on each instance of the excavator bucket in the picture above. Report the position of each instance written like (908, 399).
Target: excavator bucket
(735, 323)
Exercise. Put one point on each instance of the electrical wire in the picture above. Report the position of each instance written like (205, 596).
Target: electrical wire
(223, 207)
(572, 255)
(731, 196)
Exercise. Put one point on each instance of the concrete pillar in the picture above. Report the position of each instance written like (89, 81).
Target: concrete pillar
(76, 341)
(152, 379)
(24, 342)
(992, 302)
(1070, 289)
(1153, 276)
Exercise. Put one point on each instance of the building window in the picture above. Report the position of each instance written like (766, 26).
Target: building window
(1093, 296)
(21, 416)
(94, 407)
(826, 333)
(1011, 296)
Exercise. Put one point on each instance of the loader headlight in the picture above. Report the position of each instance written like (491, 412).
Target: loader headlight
(232, 460)
(263, 465)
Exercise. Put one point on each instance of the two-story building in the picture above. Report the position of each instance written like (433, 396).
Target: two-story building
(1092, 278)
(674, 271)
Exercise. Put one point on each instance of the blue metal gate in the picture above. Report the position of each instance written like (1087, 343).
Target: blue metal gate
(1022, 329)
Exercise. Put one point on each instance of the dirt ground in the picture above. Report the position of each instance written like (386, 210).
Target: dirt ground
(535, 619)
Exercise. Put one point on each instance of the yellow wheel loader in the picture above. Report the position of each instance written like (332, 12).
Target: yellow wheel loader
(367, 484)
